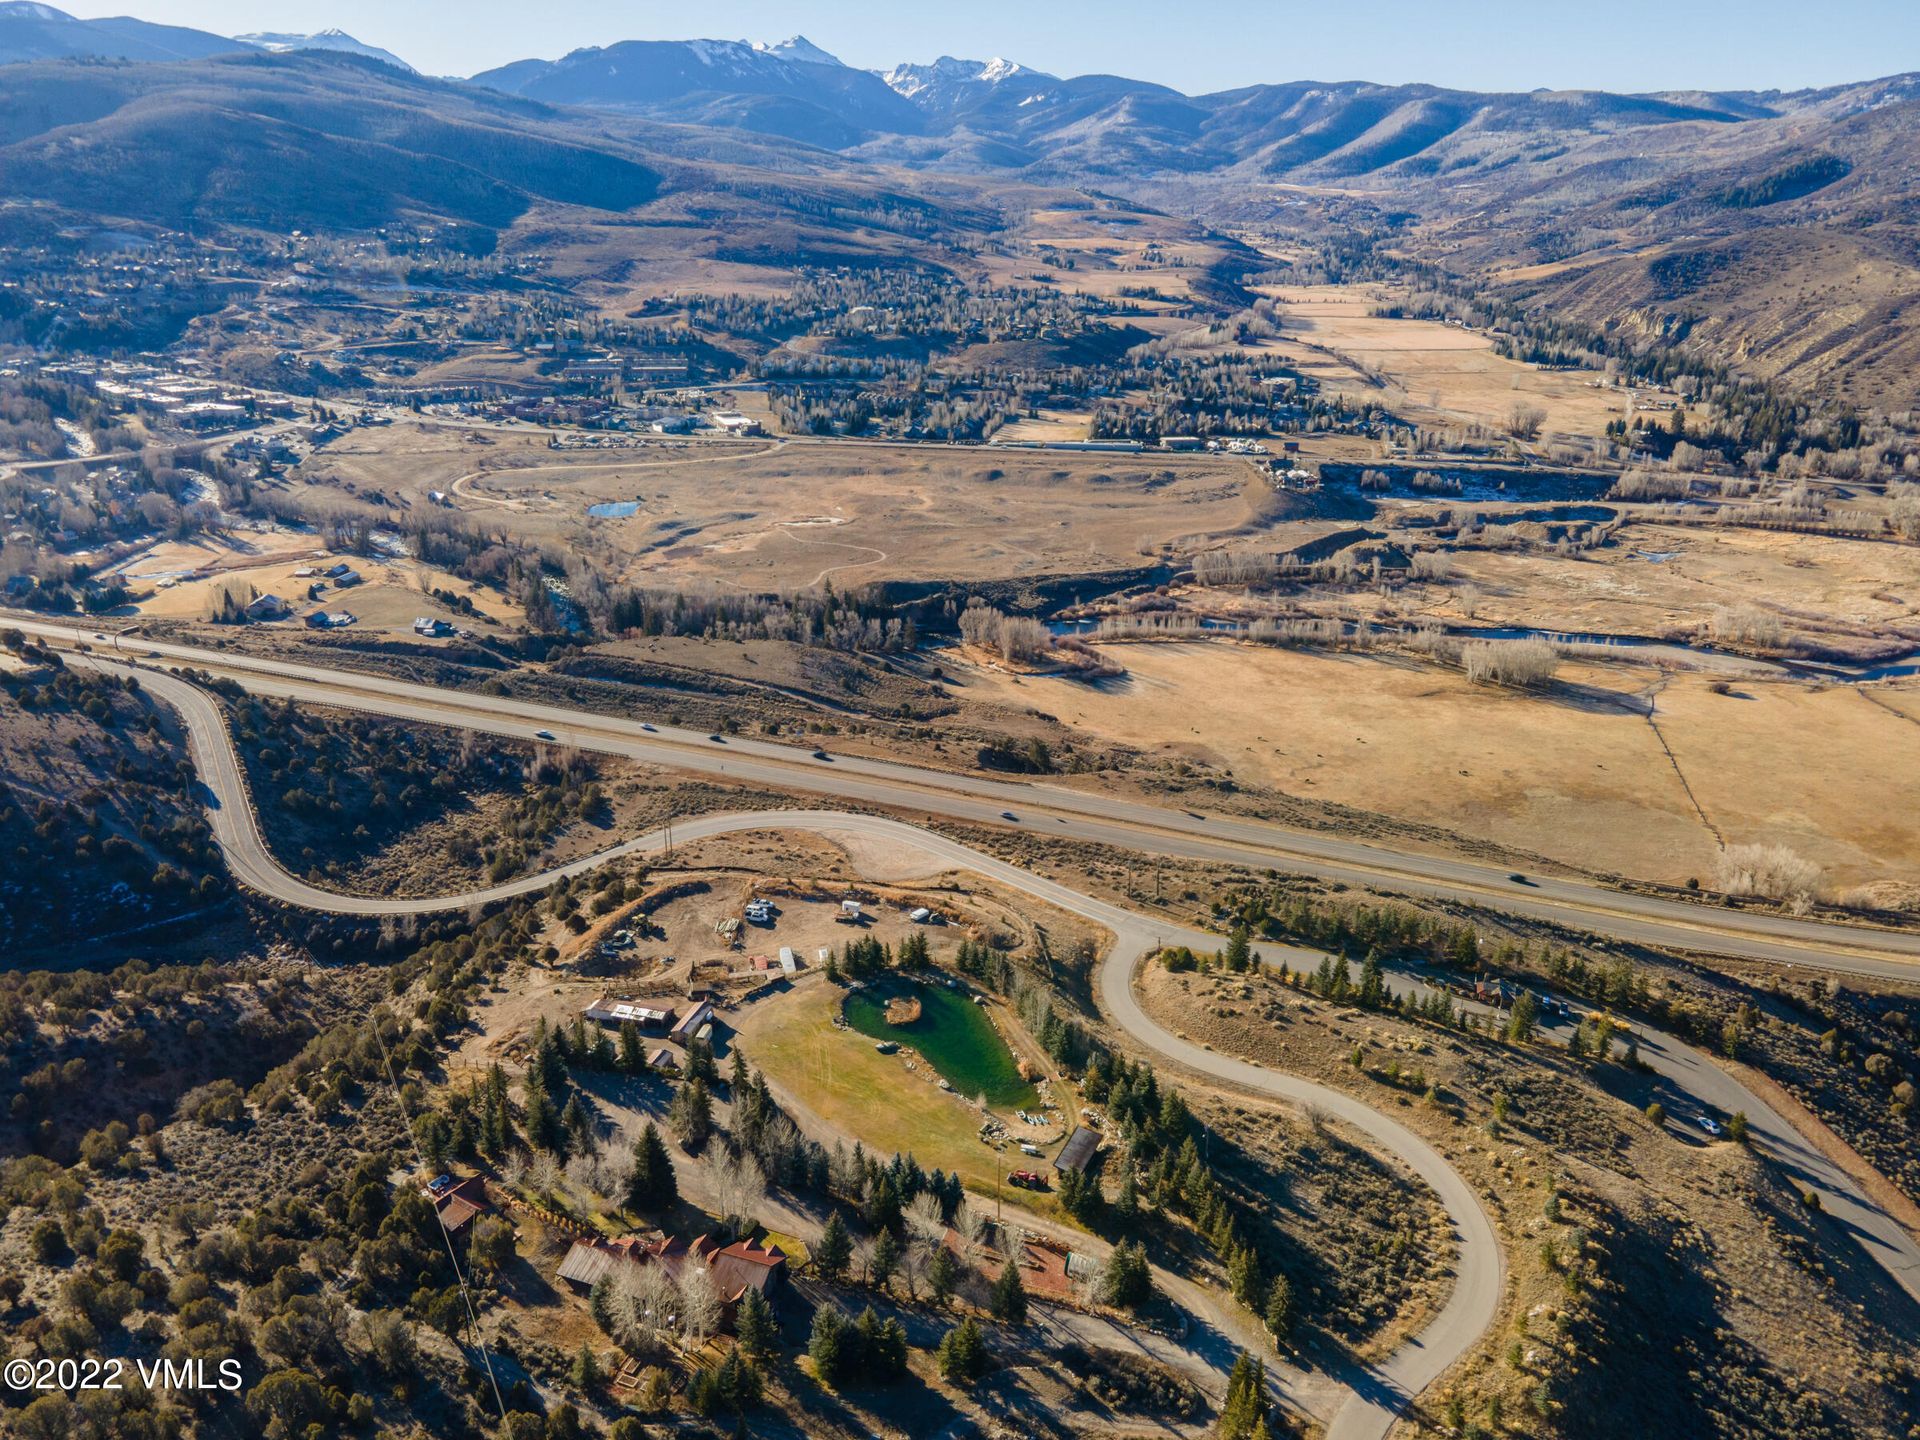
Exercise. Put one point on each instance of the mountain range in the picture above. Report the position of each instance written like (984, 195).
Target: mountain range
(31, 31)
(1779, 230)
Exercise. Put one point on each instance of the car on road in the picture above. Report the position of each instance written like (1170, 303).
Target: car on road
(648, 728)
(1008, 815)
(716, 738)
(543, 734)
(1707, 1123)
(1519, 879)
(821, 755)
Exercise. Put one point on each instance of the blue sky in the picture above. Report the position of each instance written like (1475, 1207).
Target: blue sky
(1194, 45)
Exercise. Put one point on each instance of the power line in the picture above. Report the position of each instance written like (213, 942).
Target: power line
(466, 1295)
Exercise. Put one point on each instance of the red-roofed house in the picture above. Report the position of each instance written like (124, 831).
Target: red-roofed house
(737, 1268)
(458, 1205)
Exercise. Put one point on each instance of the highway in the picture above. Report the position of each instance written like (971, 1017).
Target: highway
(1053, 810)
(1375, 1396)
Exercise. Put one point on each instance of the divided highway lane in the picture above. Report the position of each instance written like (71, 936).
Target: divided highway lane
(1067, 814)
(1377, 1395)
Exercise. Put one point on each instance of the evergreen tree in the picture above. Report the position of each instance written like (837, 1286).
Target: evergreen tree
(1522, 1019)
(835, 1250)
(1243, 1275)
(1279, 1313)
(651, 1185)
(831, 1345)
(1373, 982)
(758, 1331)
(549, 1061)
(586, 1374)
(699, 1064)
(1008, 1302)
(1246, 1403)
(691, 1114)
(1128, 1280)
(1239, 952)
(886, 1259)
(543, 1121)
(943, 1273)
(963, 1353)
(633, 1050)
(1081, 1197)
(578, 1124)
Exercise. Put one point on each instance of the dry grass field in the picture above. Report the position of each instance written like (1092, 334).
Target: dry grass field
(1581, 774)
(773, 515)
(1655, 580)
(1434, 374)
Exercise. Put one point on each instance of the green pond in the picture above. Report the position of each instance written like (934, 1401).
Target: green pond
(953, 1034)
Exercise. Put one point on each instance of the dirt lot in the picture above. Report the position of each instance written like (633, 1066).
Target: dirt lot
(1578, 774)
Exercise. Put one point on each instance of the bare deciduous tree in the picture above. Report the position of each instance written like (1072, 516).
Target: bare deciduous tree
(1771, 871)
(1509, 662)
(925, 1223)
(643, 1307)
(699, 1304)
(1524, 421)
(739, 1188)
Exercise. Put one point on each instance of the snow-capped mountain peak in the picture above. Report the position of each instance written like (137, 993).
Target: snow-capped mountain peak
(331, 38)
(798, 48)
(948, 74)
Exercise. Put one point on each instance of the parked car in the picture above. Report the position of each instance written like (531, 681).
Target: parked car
(1707, 1123)
(1028, 1180)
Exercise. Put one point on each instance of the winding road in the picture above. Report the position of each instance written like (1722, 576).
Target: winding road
(1375, 1395)
(1045, 810)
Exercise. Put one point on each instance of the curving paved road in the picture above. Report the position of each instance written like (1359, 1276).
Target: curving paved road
(1376, 1395)
(1040, 809)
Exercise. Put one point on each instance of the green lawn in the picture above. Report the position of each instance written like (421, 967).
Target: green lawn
(842, 1079)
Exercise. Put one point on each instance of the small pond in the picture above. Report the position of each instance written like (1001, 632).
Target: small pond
(953, 1034)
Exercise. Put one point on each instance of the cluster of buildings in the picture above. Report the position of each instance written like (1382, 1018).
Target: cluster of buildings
(190, 402)
(652, 1018)
(737, 1268)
